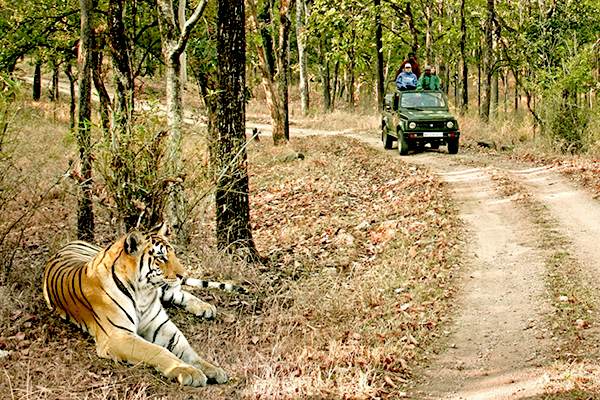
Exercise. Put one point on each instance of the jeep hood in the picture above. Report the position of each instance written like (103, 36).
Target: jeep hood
(427, 115)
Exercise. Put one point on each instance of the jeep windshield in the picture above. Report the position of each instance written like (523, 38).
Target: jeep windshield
(420, 100)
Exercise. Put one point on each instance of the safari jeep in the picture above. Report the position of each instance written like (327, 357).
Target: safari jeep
(415, 118)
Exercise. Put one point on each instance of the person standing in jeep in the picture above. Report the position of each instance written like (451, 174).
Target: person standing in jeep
(406, 80)
(428, 81)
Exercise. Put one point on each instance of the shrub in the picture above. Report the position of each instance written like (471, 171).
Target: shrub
(565, 113)
(10, 178)
(137, 181)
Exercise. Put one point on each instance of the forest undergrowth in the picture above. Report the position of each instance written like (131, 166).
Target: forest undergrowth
(361, 251)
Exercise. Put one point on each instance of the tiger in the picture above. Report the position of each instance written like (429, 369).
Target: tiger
(116, 294)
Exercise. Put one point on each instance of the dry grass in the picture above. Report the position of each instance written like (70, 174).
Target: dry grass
(361, 253)
(502, 134)
(337, 120)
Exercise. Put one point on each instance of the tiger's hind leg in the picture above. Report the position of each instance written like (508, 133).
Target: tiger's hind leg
(126, 346)
(163, 332)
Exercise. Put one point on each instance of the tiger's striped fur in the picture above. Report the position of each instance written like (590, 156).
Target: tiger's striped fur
(116, 295)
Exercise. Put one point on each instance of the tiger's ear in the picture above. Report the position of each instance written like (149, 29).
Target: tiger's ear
(161, 229)
(133, 243)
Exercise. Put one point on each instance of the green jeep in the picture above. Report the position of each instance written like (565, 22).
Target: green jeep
(415, 118)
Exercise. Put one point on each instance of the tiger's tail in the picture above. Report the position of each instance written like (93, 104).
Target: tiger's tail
(228, 287)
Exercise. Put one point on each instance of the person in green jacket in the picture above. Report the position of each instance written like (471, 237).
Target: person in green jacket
(429, 80)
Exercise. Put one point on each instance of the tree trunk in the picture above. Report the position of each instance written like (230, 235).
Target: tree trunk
(105, 102)
(174, 111)
(447, 80)
(488, 62)
(349, 83)
(174, 36)
(379, 49)
(479, 61)
(505, 90)
(54, 92)
(414, 32)
(495, 96)
(326, 84)
(72, 103)
(428, 27)
(37, 81)
(85, 214)
(464, 105)
(273, 80)
(183, 57)
(122, 70)
(516, 76)
(281, 77)
(228, 138)
(302, 56)
(337, 90)
(264, 23)
(455, 83)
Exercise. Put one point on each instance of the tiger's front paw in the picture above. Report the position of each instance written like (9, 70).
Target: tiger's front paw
(214, 374)
(201, 309)
(188, 375)
(219, 375)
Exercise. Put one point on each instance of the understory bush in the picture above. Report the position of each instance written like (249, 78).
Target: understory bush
(136, 180)
(10, 178)
(567, 106)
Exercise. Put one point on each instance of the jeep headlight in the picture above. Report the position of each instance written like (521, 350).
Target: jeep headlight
(450, 124)
(412, 125)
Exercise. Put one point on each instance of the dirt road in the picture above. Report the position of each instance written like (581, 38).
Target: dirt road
(499, 346)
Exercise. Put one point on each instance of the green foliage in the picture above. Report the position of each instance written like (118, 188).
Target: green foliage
(563, 83)
(564, 120)
(554, 51)
(202, 53)
(46, 28)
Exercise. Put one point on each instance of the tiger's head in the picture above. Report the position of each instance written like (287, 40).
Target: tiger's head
(164, 253)
(152, 256)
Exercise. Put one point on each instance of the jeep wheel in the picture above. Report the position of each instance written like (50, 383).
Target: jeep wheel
(453, 146)
(387, 140)
(402, 145)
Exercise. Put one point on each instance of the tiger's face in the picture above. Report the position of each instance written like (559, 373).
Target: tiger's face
(165, 266)
(152, 258)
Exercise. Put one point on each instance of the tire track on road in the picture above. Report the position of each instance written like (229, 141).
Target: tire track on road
(497, 345)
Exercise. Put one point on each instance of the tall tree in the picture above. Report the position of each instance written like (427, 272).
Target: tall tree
(120, 52)
(301, 12)
(85, 214)
(174, 40)
(464, 105)
(228, 136)
(37, 80)
(379, 49)
(98, 78)
(274, 63)
(488, 61)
